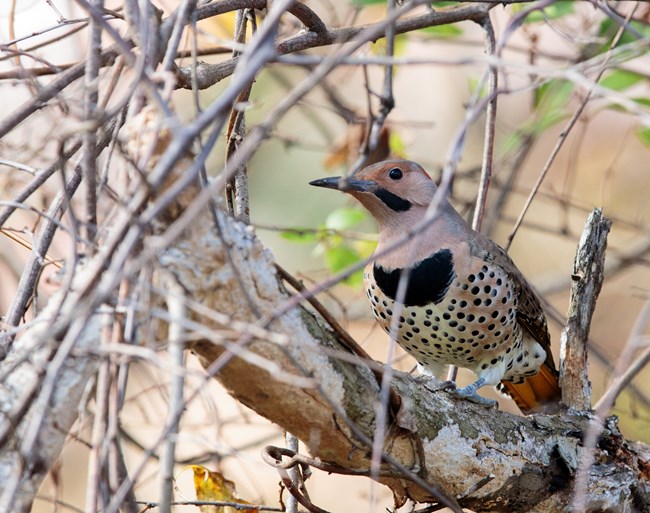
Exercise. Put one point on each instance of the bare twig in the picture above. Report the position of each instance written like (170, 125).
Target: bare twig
(91, 97)
(210, 74)
(624, 373)
(490, 124)
(376, 124)
(182, 18)
(588, 271)
(97, 456)
(218, 504)
(176, 306)
(294, 474)
(50, 91)
(236, 190)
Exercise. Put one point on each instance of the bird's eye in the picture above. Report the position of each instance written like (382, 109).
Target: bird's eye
(395, 173)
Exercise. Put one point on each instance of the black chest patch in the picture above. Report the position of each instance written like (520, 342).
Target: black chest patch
(392, 201)
(428, 281)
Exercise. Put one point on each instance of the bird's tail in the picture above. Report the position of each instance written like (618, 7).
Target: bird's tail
(537, 394)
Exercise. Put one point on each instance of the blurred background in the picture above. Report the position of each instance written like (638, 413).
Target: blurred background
(604, 162)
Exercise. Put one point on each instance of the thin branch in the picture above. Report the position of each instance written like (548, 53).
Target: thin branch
(91, 97)
(588, 272)
(387, 103)
(177, 308)
(96, 457)
(210, 74)
(236, 190)
(490, 124)
(308, 17)
(293, 473)
(623, 380)
(217, 504)
(182, 16)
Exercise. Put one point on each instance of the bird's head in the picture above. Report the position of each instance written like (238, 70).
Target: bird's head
(389, 189)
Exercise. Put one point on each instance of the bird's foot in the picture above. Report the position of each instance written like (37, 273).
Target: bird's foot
(468, 392)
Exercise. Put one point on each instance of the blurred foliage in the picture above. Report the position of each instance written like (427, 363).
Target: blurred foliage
(338, 249)
(552, 12)
(550, 102)
(442, 31)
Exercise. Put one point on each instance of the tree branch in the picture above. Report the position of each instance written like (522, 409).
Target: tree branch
(210, 74)
(588, 273)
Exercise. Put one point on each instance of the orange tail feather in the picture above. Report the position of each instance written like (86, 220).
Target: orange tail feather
(537, 394)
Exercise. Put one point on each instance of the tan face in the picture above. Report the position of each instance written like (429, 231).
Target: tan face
(406, 180)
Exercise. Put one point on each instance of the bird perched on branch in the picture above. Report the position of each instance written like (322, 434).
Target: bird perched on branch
(454, 295)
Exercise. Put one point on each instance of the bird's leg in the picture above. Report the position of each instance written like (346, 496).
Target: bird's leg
(469, 392)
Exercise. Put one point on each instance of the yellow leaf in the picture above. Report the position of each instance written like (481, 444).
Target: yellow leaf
(212, 486)
(221, 26)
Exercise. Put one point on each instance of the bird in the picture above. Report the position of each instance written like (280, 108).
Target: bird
(464, 301)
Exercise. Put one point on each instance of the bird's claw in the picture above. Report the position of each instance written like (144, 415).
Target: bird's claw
(468, 393)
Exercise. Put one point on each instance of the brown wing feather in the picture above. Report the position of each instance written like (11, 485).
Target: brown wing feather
(529, 308)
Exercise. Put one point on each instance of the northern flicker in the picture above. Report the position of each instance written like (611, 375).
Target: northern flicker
(465, 302)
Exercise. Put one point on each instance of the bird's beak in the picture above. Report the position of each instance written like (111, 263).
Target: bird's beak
(344, 184)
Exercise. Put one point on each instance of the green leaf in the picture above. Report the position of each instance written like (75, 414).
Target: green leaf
(396, 144)
(643, 133)
(553, 95)
(552, 12)
(399, 46)
(609, 28)
(620, 79)
(340, 257)
(364, 3)
(299, 235)
(443, 31)
(443, 4)
(642, 101)
(512, 141)
(546, 121)
(473, 83)
(344, 218)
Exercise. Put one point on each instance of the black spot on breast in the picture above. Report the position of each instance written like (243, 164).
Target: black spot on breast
(392, 201)
(428, 281)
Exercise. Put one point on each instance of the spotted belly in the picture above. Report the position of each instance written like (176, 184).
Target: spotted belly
(472, 325)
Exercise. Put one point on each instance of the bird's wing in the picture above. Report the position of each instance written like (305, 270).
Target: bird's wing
(530, 313)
